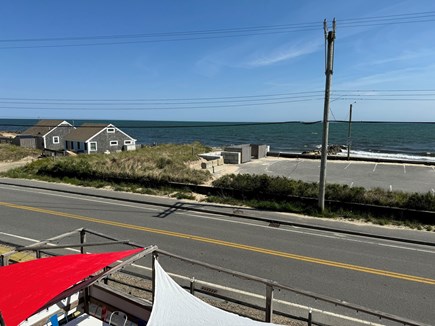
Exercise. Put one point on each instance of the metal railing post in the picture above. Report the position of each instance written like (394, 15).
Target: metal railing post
(269, 303)
(192, 286)
(310, 317)
(3, 260)
(82, 240)
(155, 256)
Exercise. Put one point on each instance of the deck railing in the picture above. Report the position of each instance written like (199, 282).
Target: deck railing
(270, 306)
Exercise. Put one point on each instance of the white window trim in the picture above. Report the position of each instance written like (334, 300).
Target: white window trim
(113, 143)
(56, 139)
(128, 142)
(111, 130)
(90, 146)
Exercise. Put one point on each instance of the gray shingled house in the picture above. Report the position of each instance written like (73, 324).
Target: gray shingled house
(46, 134)
(98, 138)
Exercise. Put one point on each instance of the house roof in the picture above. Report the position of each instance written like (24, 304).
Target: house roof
(86, 131)
(42, 127)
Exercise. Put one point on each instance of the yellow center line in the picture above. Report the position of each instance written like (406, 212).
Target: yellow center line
(227, 244)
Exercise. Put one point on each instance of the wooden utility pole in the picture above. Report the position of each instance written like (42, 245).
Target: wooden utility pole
(330, 37)
(349, 139)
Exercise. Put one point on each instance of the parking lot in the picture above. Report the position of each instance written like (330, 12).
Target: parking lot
(390, 176)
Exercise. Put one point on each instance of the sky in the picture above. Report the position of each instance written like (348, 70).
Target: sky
(226, 60)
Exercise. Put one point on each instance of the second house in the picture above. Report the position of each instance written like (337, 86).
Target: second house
(98, 138)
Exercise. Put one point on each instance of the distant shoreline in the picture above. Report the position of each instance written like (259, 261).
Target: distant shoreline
(371, 139)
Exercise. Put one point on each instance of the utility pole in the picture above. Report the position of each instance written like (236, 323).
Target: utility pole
(330, 37)
(349, 140)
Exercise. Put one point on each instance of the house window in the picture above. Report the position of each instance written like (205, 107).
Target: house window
(110, 130)
(93, 146)
(72, 145)
(113, 143)
(128, 142)
(56, 140)
(78, 145)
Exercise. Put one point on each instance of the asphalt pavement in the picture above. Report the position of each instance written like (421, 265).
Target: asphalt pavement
(393, 277)
(405, 177)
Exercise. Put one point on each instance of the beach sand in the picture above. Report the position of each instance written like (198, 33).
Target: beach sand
(7, 134)
(5, 166)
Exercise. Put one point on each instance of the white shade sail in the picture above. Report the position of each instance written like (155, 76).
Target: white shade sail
(175, 306)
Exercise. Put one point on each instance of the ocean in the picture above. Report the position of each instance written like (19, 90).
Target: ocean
(395, 140)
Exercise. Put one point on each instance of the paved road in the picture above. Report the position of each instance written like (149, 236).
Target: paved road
(391, 277)
(404, 177)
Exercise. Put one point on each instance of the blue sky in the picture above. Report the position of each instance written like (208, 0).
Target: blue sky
(201, 77)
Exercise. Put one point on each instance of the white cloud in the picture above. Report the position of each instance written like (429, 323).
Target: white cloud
(247, 55)
(408, 76)
(283, 53)
(405, 56)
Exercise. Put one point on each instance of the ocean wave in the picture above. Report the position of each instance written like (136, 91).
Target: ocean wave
(388, 156)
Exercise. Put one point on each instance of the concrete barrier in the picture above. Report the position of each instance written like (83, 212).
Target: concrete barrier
(213, 165)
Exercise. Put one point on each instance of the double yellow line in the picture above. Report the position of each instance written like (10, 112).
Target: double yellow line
(227, 244)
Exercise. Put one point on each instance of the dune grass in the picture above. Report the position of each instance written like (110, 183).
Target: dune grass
(148, 166)
(12, 153)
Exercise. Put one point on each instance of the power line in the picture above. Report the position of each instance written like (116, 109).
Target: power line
(153, 41)
(220, 125)
(386, 99)
(386, 23)
(421, 13)
(199, 125)
(236, 98)
(218, 98)
(169, 34)
(246, 101)
(165, 36)
(253, 101)
(161, 108)
(385, 90)
(173, 36)
(416, 15)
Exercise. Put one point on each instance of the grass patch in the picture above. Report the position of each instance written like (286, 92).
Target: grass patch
(12, 153)
(184, 195)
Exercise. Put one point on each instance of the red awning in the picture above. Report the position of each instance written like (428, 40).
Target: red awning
(27, 287)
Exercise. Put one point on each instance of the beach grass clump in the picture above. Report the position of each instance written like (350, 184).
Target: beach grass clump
(283, 194)
(147, 167)
(262, 186)
(12, 153)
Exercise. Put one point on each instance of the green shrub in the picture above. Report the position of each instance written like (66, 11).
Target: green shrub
(261, 186)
